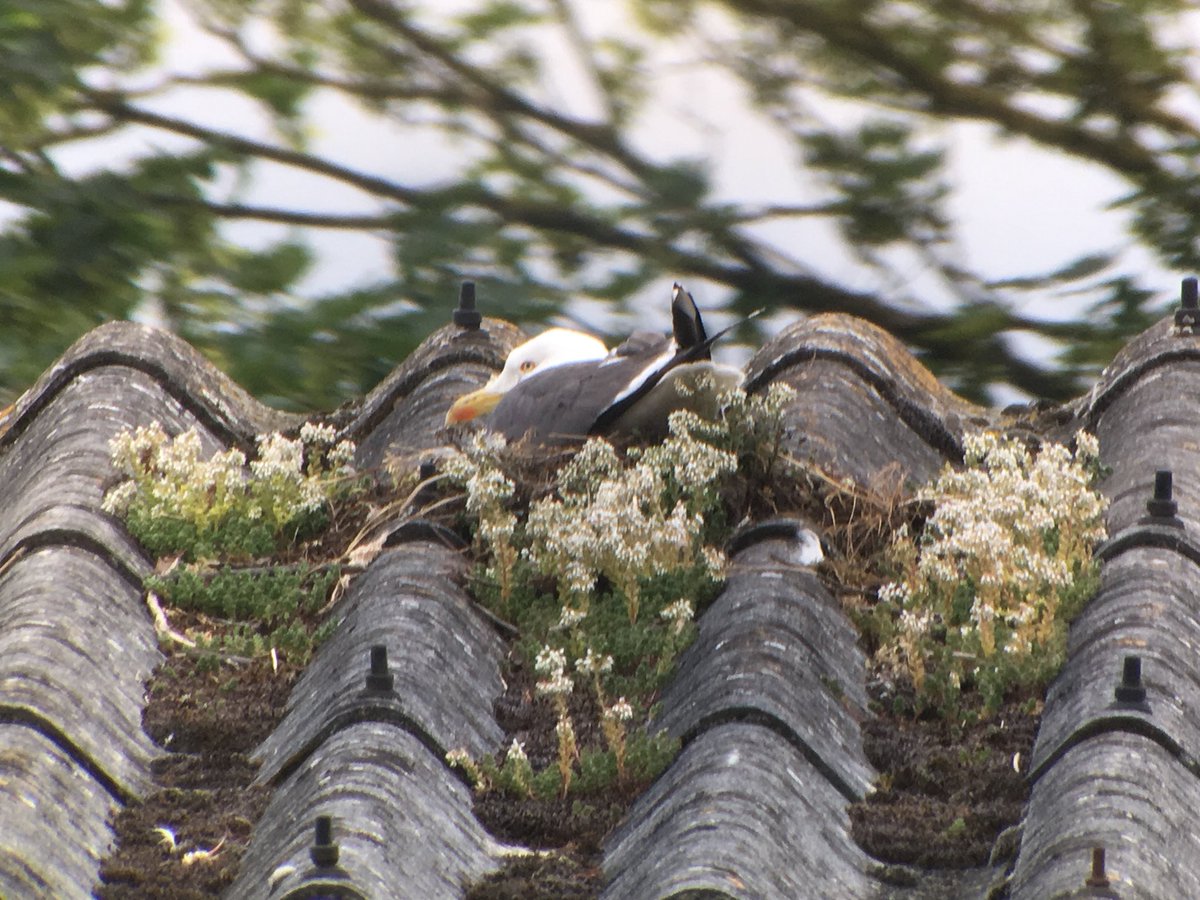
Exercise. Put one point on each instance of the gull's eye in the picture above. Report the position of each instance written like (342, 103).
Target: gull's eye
(528, 366)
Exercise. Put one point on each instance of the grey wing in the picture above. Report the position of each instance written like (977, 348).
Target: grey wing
(641, 344)
(558, 405)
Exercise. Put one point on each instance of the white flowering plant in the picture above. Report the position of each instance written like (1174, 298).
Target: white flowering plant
(203, 511)
(603, 569)
(987, 588)
(174, 499)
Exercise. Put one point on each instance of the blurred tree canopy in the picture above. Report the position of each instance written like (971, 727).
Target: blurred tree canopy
(554, 201)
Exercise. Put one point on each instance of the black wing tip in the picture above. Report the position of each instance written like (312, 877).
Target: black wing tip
(686, 323)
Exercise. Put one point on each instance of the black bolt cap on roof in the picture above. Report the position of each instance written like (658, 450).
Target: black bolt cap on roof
(379, 679)
(467, 316)
(324, 852)
(1161, 508)
(1187, 317)
(1130, 692)
(1097, 884)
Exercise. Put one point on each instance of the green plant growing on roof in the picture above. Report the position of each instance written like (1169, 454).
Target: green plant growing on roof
(174, 500)
(179, 503)
(258, 611)
(489, 491)
(990, 585)
(603, 573)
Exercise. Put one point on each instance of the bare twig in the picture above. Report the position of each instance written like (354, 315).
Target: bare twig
(162, 626)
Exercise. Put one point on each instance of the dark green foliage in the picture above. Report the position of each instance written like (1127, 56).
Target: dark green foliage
(262, 609)
(889, 190)
(232, 538)
(553, 198)
(643, 652)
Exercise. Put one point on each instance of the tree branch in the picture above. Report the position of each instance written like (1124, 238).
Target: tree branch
(579, 43)
(858, 36)
(342, 221)
(116, 106)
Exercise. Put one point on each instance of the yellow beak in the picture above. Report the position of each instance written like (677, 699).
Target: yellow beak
(472, 405)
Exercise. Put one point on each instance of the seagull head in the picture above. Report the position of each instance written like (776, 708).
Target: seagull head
(555, 347)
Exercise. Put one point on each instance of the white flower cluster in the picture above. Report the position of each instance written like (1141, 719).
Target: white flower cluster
(338, 457)
(678, 614)
(752, 423)
(280, 464)
(551, 663)
(1012, 520)
(621, 711)
(621, 530)
(570, 618)
(1015, 531)
(693, 463)
(489, 491)
(475, 469)
(613, 521)
(168, 477)
(312, 434)
(516, 753)
(592, 663)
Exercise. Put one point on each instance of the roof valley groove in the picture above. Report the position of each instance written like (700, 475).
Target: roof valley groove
(76, 642)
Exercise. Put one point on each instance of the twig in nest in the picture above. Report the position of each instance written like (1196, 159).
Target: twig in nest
(162, 627)
(369, 540)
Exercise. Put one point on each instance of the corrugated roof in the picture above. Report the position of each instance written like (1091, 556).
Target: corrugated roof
(768, 699)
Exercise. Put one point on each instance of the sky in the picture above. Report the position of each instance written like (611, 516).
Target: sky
(1019, 209)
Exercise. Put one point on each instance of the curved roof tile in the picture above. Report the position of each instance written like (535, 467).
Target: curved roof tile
(1121, 793)
(740, 813)
(864, 403)
(775, 648)
(401, 820)
(407, 410)
(76, 647)
(55, 817)
(176, 369)
(1113, 773)
(1145, 609)
(444, 658)
(77, 643)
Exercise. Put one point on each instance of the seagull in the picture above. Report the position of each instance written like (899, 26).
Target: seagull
(555, 347)
(560, 393)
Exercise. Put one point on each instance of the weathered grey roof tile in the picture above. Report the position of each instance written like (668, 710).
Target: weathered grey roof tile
(1124, 794)
(865, 404)
(55, 819)
(741, 813)
(76, 647)
(1146, 609)
(1120, 774)
(402, 822)
(777, 649)
(407, 410)
(444, 658)
(1153, 426)
(173, 368)
(76, 642)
